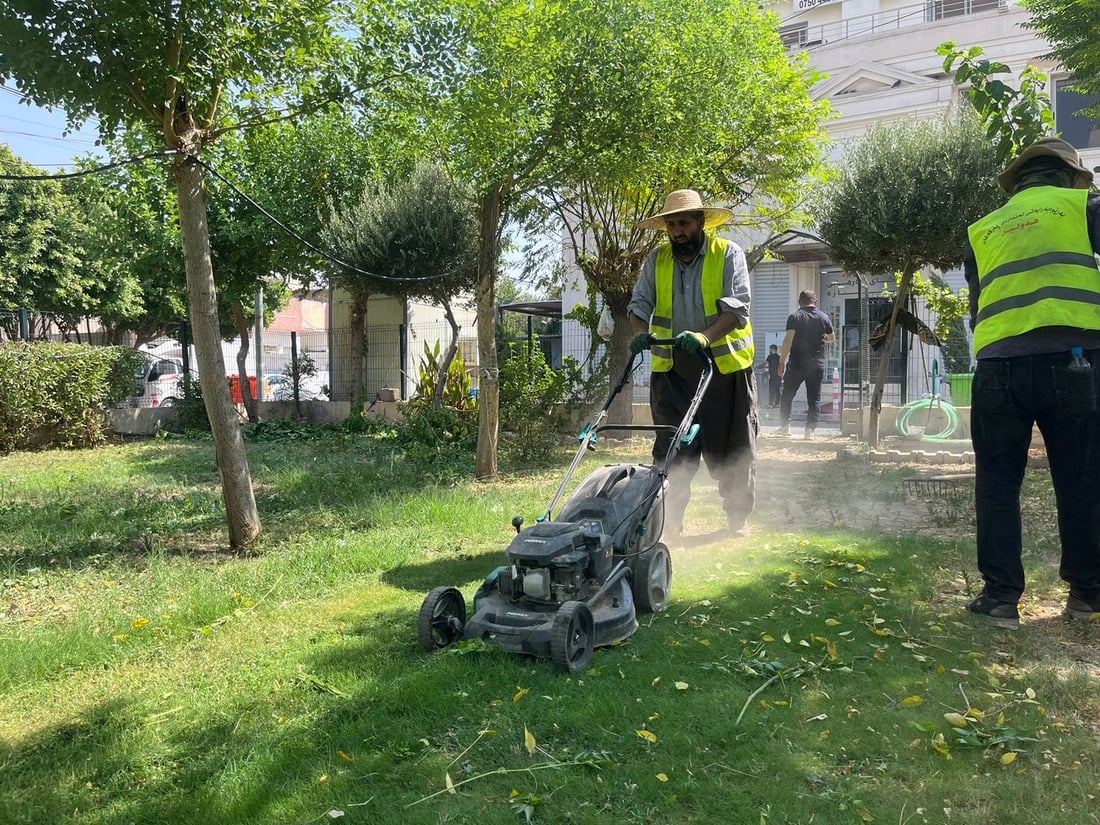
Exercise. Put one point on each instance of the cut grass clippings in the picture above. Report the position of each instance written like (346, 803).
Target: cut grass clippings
(805, 674)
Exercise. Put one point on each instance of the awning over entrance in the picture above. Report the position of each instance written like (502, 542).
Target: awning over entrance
(545, 309)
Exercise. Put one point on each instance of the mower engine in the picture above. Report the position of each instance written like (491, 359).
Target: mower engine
(553, 562)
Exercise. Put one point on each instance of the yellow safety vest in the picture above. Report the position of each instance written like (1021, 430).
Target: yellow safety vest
(731, 353)
(1035, 265)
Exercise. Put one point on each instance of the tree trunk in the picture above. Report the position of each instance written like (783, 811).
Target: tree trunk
(488, 419)
(448, 357)
(247, 397)
(358, 333)
(237, 493)
(621, 410)
(884, 362)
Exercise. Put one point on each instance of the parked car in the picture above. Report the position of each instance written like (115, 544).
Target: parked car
(158, 382)
(278, 387)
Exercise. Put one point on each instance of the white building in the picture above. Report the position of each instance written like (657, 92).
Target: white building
(880, 62)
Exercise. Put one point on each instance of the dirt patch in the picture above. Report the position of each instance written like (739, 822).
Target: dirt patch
(831, 482)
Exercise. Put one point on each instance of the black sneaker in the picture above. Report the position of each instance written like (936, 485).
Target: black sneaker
(1081, 609)
(1001, 614)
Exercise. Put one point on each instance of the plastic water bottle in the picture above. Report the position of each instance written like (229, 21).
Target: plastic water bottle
(1078, 361)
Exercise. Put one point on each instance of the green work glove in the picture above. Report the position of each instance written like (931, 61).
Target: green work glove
(692, 341)
(641, 342)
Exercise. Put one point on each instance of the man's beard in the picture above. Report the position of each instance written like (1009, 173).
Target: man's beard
(689, 247)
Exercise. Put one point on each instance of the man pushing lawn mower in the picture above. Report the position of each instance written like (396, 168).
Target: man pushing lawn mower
(695, 289)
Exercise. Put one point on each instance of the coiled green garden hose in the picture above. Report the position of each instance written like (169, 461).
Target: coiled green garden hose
(950, 414)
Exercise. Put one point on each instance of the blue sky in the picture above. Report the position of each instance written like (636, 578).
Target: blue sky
(35, 134)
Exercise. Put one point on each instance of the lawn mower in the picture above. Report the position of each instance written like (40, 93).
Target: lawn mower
(575, 581)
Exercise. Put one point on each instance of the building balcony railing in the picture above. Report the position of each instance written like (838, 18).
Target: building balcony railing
(804, 35)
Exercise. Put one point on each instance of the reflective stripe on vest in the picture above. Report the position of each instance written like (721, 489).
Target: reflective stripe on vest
(731, 353)
(1035, 265)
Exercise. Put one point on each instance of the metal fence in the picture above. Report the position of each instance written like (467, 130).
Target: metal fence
(393, 355)
(392, 359)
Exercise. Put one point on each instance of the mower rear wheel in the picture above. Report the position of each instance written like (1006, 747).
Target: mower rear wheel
(442, 618)
(571, 636)
(652, 579)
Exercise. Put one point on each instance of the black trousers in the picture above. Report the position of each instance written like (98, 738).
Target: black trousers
(1009, 396)
(793, 377)
(775, 384)
(728, 425)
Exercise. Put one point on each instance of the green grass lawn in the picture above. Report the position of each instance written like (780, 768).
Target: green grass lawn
(820, 671)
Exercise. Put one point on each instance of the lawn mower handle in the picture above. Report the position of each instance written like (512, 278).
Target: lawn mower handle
(588, 434)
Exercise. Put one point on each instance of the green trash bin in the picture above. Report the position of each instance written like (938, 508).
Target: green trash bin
(959, 382)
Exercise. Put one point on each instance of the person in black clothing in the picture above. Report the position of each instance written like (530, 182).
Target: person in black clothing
(803, 361)
(774, 381)
(1034, 303)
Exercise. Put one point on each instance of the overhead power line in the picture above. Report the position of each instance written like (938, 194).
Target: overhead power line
(253, 203)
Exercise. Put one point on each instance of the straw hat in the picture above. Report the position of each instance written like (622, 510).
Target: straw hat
(1050, 147)
(687, 200)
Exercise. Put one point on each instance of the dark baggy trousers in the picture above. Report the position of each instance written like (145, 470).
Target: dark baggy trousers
(1009, 396)
(728, 426)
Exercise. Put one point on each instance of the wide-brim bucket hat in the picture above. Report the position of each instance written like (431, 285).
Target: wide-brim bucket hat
(687, 200)
(1048, 147)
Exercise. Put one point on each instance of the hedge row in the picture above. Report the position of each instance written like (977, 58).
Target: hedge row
(56, 395)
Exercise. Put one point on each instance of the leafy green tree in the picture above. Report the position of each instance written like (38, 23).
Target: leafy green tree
(757, 136)
(43, 265)
(521, 97)
(189, 72)
(1073, 29)
(268, 196)
(414, 238)
(902, 199)
(1014, 117)
(134, 236)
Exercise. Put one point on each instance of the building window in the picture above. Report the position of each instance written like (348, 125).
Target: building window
(958, 8)
(793, 36)
(1074, 127)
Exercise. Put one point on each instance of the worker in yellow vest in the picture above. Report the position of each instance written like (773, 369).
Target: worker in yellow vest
(1035, 312)
(695, 288)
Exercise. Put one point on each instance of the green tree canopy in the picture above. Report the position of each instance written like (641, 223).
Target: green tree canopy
(518, 97)
(188, 72)
(46, 229)
(1073, 29)
(1014, 117)
(904, 194)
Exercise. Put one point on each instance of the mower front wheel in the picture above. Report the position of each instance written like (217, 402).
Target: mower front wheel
(652, 579)
(571, 636)
(442, 618)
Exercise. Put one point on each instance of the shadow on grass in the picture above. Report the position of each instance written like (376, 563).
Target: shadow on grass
(446, 571)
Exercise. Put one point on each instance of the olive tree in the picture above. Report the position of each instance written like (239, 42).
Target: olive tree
(413, 238)
(902, 198)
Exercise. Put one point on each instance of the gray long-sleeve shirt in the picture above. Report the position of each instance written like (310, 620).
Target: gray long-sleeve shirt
(688, 312)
